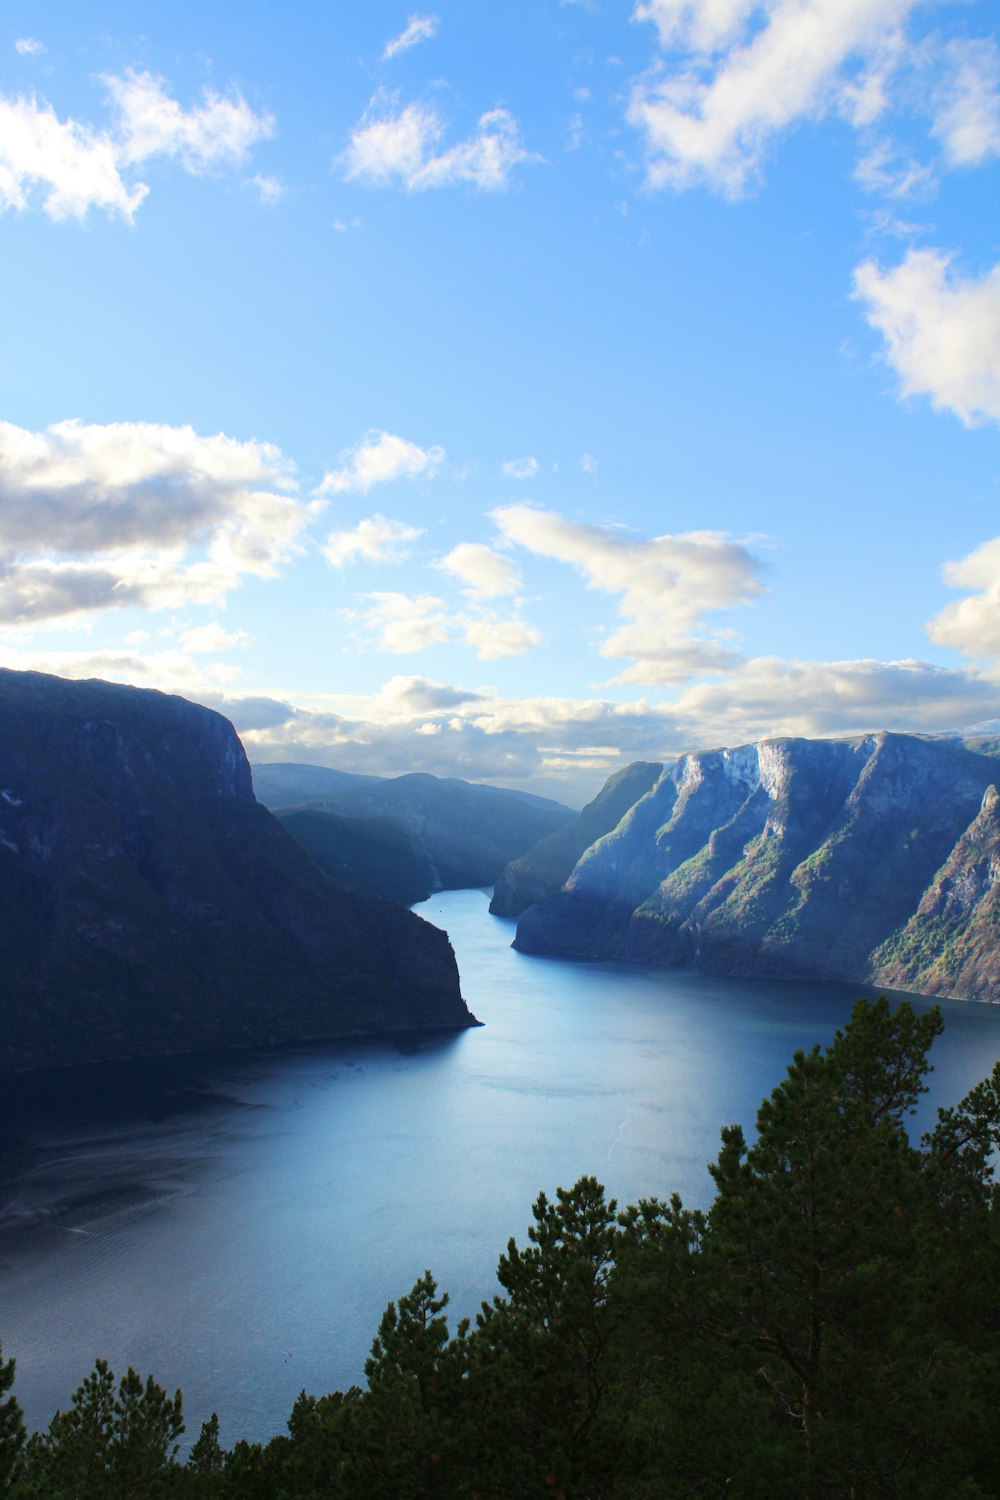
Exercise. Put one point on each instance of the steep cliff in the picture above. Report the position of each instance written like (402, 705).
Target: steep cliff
(839, 859)
(148, 904)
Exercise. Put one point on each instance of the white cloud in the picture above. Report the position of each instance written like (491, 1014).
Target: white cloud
(30, 46)
(967, 118)
(942, 331)
(662, 661)
(76, 167)
(150, 123)
(894, 173)
(379, 458)
(269, 189)
(587, 463)
(392, 146)
(412, 697)
(972, 625)
(492, 638)
(485, 573)
(667, 585)
(204, 639)
(417, 29)
(403, 625)
(739, 73)
(375, 539)
(520, 468)
(136, 513)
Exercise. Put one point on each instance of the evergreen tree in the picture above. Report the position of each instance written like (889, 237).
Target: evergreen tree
(109, 1445)
(12, 1434)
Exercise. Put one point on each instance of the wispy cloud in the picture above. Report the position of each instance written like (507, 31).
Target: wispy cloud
(30, 46)
(942, 330)
(485, 573)
(520, 468)
(269, 189)
(378, 459)
(726, 84)
(967, 116)
(493, 638)
(375, 539)
(399, 147)
(667, 584)
(401, 624)
(417, 29)
(76, 167)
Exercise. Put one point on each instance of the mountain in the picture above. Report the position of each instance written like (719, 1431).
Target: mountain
(874, 860)
(549, 863)
(461, 834)
(373, 854)
(148, 904)
(286, 783)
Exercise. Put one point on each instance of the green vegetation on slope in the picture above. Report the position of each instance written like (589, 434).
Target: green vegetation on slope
(829, 1328)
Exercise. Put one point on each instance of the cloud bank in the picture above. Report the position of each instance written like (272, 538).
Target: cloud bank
(93, 517)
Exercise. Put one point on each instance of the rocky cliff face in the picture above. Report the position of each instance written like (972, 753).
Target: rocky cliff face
(871, 860)
(148, 904)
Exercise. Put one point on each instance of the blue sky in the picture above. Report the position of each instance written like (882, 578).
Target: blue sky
(507, 392)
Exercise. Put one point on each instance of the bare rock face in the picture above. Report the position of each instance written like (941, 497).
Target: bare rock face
(148, 904)
(834, 859)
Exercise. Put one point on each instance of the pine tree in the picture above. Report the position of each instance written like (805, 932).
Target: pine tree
(12, 1434)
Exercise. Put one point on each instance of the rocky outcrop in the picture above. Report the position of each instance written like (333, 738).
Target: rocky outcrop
(148, 904)
(834, 859)
(462, 835)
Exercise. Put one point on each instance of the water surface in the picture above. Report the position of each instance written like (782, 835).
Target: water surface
(236, 1223)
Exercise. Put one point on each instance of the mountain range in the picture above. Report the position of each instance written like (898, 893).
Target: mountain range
(874, 860)
(459, 834)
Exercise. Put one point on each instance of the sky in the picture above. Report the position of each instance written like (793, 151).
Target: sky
(505, 391)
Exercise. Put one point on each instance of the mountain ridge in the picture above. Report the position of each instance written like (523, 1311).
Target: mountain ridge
(812, 859)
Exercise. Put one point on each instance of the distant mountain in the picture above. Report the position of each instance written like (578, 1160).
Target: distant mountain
(462, 834)
(874, 860)
(373, 854)
(148, 904)
(287, 784)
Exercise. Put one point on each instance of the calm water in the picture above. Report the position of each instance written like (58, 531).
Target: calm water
(236, 1224)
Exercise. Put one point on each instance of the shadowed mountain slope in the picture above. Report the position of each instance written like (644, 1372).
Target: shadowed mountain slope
(148, 904)
(373, 854)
